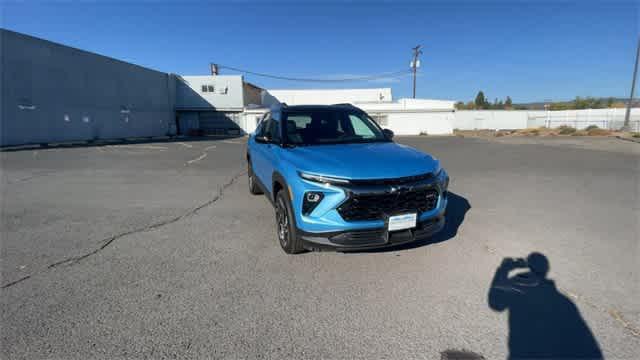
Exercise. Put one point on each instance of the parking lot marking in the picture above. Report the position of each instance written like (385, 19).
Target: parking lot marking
(204, 155)
(150, 147)
(185, 144)
(231, 142)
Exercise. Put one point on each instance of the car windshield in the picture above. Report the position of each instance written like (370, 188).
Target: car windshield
(316, 127)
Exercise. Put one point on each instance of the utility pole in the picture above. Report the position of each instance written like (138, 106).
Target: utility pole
(414, 65)
(626, 126)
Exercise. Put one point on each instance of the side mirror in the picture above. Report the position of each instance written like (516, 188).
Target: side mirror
(387, 133)
(261, 139)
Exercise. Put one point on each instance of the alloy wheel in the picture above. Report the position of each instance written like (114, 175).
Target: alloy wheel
(282, 220)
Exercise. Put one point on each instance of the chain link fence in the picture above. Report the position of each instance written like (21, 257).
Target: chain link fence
(612, 119)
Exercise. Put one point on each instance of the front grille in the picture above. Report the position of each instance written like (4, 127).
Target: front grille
(392, 181)
(376, 206)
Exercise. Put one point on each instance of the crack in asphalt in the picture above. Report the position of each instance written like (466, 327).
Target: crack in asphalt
(618, 317)
(615, 314)
(32, 176)
(74, 259)
(16, 281)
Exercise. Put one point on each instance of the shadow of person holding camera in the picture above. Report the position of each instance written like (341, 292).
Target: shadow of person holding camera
(543, 323)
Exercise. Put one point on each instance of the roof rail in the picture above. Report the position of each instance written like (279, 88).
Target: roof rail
(344, 104)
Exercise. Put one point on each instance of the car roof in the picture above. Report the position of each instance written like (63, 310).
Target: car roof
(334, 107)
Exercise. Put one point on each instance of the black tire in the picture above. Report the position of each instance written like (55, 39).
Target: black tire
(286, 230)
(253, 185)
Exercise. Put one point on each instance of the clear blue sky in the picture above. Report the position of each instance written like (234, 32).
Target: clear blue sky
(531, 50)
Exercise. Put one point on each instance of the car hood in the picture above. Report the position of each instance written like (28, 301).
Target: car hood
(379, 160)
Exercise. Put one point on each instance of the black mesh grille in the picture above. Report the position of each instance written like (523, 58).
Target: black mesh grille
(393, 181)
(376, 206)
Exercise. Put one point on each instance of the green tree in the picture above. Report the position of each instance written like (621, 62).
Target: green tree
(459, 105)
(508, 103)
(481, 101)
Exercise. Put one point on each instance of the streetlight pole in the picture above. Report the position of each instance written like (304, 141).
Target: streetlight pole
(414, 66)
(626, 126)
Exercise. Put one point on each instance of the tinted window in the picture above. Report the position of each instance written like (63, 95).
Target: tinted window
(360, 128)
(263, 126)
(274, 130)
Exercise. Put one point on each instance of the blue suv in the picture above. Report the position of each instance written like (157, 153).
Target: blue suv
(338, 181)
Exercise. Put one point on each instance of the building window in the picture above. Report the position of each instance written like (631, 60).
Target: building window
(210, 87)
(204, 88)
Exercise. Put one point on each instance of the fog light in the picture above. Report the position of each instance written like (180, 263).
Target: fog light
(311, 201)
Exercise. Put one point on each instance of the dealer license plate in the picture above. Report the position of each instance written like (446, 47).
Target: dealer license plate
(401, 222)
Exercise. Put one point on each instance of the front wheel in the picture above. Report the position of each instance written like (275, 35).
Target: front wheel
(285, 225)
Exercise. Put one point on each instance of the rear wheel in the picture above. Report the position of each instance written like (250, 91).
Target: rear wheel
(285, 225)
(253, 186)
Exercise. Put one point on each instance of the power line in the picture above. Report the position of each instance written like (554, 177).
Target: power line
(390, 75)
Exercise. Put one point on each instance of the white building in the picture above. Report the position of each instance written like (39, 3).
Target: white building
(329, 96)
(403, 117)
(226, 104)
(215, 104)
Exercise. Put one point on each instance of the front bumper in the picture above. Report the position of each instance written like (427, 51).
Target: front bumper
(351, 240)
(327, 217)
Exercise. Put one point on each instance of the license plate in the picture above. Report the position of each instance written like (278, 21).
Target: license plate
(401, 222)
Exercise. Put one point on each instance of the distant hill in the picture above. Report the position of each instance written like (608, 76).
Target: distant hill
(539, 105)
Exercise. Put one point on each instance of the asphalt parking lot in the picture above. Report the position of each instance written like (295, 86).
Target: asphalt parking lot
(158, 251)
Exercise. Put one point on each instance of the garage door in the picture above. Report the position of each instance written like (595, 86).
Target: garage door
(220, 123)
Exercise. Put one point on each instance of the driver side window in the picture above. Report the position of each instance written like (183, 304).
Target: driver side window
(263, 126)
(274, 130)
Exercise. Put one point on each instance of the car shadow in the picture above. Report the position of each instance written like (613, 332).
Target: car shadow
(457, 208)
(543, 323)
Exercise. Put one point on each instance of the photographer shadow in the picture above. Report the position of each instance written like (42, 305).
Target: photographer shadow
(543, 323)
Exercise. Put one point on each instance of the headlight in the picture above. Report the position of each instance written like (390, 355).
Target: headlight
(323, 179)
(438, 169)
(443, 178)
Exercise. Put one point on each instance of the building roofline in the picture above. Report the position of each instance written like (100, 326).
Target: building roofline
(382, 88)
(79, 50)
